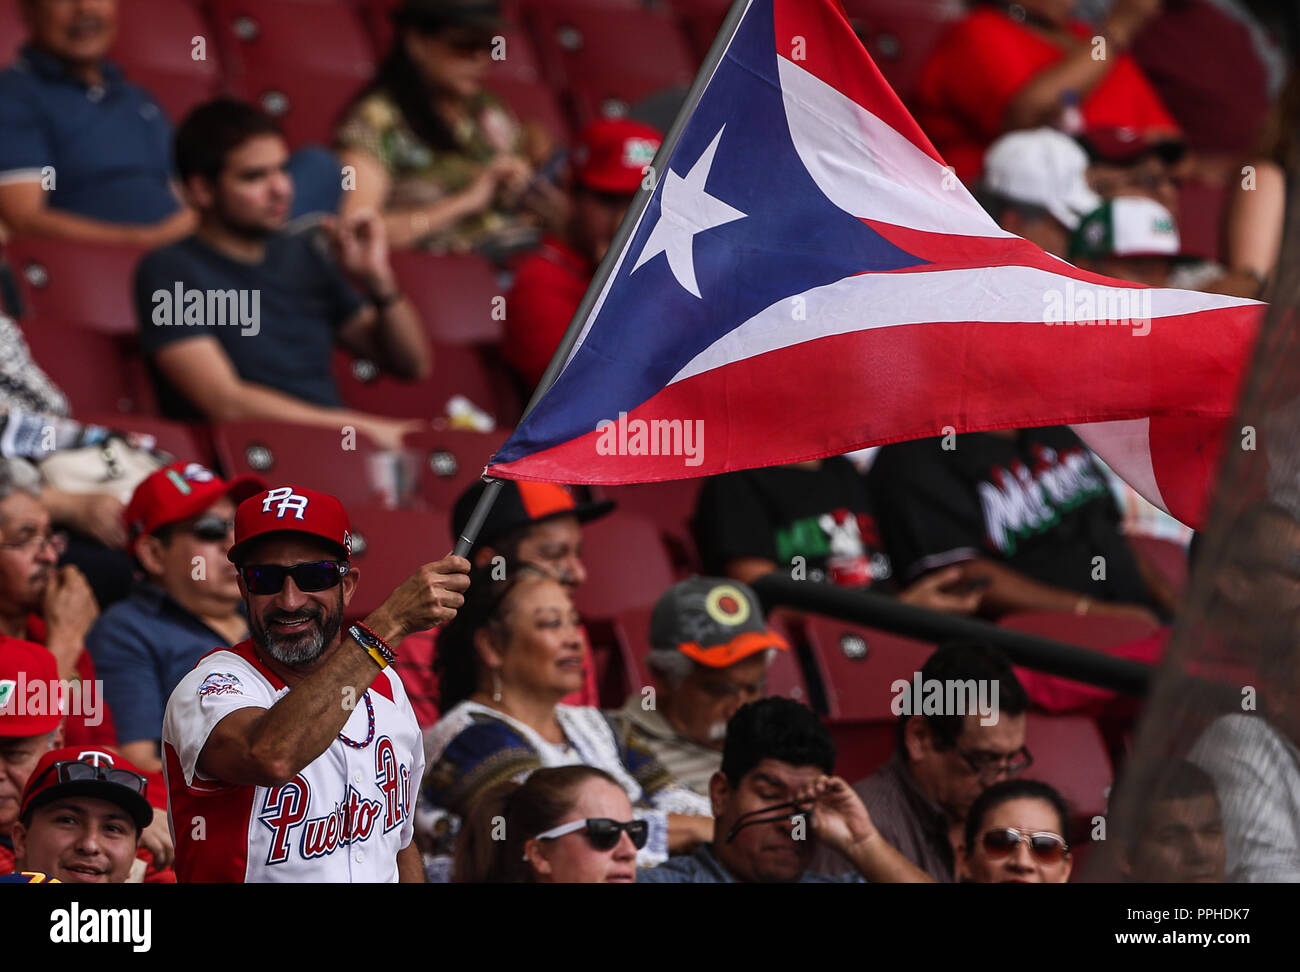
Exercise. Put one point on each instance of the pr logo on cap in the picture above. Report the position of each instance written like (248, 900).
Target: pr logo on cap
(289, 500)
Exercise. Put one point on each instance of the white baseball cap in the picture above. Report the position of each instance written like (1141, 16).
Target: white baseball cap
(1042, 167)
(1127, 226)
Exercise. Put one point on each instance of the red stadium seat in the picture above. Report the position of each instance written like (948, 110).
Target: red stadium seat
(89, 284)
(859, 664)
(700, 20)
(670, 505)
(13, 31)
(456, 296)
(899, 35)
(1167, 557)
(182, 439)
(99, 372)
(609, 95)
(155, 47)
(388, 546)
(632, 636)
(282, 452)
(302, 60)
(1069, 754)
(1089, 631)
(447, 462)
(581, 42)
(626, 565)
(456, 371)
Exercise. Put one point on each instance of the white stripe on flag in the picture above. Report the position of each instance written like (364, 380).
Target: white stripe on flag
(978, 294)
(1125, 446)
(868, 169)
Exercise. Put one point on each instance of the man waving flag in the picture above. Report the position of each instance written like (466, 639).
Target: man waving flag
(808, 278)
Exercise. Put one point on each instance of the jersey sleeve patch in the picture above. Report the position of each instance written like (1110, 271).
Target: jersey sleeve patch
(220, 683)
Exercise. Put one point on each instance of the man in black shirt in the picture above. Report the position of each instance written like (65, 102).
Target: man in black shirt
(814, 519)
(240, 321)
(1027, 509)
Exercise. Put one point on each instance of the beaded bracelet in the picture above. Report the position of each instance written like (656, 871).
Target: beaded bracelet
(375, 646)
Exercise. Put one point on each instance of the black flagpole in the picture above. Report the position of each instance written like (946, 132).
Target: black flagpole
(475, 523)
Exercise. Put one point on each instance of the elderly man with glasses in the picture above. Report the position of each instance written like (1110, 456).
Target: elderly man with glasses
(944, 760)
(179, 526)
(295, 755)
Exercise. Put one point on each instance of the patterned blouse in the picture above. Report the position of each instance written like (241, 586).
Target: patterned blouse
(474, 747)
(421, 175)
(23, 385)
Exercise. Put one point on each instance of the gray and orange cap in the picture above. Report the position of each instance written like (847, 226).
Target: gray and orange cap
(711, 620)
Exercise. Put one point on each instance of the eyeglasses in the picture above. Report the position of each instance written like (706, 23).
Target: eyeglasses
(56, 539)
(990, 765)
(72, 770)
(603, 833)
(313, 576)
(776, 813)
(211, 528)
(1047, 848)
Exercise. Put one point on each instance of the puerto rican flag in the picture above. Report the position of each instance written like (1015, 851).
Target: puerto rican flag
(808, 279)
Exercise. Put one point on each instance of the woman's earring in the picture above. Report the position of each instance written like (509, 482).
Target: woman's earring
(496, 687)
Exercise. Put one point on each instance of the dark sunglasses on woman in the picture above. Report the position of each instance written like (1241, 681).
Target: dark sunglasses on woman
(313, 576)
(602, 832)
(1047, 848)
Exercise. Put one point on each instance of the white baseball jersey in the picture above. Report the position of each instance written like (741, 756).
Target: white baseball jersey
(343, 818)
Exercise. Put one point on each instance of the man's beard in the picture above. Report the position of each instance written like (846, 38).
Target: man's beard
(244, 229)
(301, 648)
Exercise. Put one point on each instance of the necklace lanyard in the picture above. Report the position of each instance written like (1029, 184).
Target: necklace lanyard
(370, 731)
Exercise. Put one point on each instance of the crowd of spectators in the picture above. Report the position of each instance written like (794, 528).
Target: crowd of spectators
(698, 776)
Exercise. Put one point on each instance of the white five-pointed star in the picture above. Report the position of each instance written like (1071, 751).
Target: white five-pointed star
(685, 209)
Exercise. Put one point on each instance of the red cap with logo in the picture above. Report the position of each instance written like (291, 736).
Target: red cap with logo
(105, 776)
(612, 155)
(179, 491)
(22, 711)
(291, 509)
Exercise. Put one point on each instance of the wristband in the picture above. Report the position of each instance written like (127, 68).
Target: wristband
(375, 646)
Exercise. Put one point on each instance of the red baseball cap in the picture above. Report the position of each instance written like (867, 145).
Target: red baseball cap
(111, 782)
(291, 509)
(179, 491)
(612, 155)
(22, 664)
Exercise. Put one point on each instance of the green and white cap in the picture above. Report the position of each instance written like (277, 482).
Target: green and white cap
(1127, 226)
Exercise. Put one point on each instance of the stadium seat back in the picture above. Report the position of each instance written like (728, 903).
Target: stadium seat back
(670, 504)
(578, 40)
(301, 60)
(1070, 754)
(861, 747)
(858, 665)
(1089, 631)
(87, 284)
(388, 546)
(302, 455)
(456, 371)
(156, 47)
(457, 296)
(626, 565)
(100, 373)
(448, 461)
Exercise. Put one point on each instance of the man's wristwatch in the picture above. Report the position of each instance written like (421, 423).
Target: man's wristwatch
(382, 303)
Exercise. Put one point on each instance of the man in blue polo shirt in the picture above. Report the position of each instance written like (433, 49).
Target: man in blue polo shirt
(85, 153)
(180, 520)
